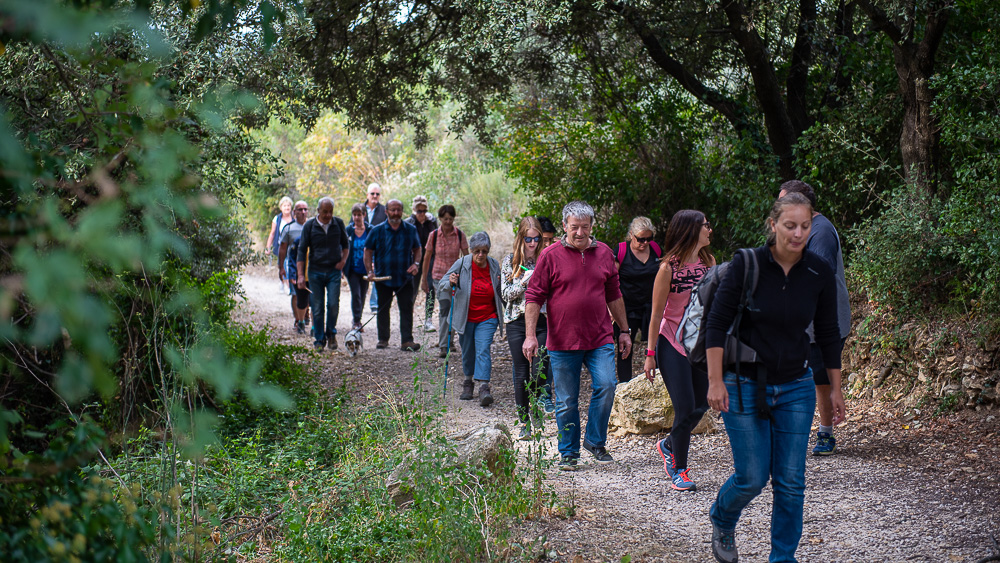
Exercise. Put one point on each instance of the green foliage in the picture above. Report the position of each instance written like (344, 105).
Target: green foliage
(320, 484)
(55, 511)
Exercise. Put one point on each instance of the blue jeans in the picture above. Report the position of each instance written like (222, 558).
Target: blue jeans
(566, 366)
(325, 288)
(475, 342)
(772, 448)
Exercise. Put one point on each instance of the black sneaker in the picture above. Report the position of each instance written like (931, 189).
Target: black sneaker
(318, 346)
(600, 453)
(332, 343)
(724, 545)
(567, 463)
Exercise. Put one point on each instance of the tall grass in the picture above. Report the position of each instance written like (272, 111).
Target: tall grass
(311, 485)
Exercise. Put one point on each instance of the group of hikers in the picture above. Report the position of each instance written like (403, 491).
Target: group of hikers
(572, 301)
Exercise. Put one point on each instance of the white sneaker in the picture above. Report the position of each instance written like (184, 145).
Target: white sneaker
(429, 326)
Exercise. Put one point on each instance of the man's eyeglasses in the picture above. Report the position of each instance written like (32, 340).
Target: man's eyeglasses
(643, 240)
(374, 193)
(533, 239)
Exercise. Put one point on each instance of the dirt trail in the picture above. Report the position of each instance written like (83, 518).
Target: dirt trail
(896, 490)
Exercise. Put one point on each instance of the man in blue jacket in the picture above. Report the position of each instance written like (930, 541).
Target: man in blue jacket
(324, 243)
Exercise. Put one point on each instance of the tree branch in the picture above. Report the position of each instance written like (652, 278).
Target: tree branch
(881, 21)
(713, 98)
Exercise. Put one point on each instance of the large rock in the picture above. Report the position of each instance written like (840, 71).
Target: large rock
(642, 407)
(471, 449)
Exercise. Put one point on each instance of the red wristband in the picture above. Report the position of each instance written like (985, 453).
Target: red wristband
(650, 353)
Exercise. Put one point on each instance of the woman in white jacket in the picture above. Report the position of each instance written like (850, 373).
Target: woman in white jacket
(475, 313)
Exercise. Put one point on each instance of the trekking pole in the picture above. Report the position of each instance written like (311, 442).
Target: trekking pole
(447, 355)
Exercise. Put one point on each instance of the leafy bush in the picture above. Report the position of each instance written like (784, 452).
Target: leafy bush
(54, 510)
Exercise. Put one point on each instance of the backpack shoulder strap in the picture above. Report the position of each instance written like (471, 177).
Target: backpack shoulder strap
(656, 248)
(621, 252)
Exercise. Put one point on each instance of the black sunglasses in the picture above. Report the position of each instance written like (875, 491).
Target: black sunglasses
(533, 239)
(643, 240)
(421, 211)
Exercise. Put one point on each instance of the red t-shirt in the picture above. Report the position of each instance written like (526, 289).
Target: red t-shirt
(482, 305)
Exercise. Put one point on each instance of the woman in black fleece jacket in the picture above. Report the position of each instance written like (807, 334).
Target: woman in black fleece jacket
(768, 408)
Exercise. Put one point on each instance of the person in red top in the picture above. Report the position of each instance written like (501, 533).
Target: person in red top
(476, 313)
(578, 279)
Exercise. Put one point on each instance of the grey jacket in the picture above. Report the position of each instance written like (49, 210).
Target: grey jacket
(460, 306)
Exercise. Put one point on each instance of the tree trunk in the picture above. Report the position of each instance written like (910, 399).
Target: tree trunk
(914, 62)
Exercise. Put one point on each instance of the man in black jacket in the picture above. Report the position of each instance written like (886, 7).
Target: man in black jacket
(424, 223)
(324, 243)
(376, 216)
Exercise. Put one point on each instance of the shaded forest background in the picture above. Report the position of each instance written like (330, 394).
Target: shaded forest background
(144, 143)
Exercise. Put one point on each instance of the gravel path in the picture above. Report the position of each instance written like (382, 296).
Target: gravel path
(897, 490)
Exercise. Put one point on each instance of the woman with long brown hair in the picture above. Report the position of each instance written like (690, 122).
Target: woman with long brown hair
(515, 271)
(686, 258)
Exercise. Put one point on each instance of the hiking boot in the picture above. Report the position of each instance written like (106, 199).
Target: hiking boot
(468, 388)
(382, 344)
(429, 326)
(669, 463)
(600, 453)
(300, 327)
(485, 399)
(525, 433)
(332, 343)
(826, 444)
(724, 545)
(547, 403)
(410, 347)
(356, 326)
(318, 346)
(443, 353)
(681, 482)
(567, 463)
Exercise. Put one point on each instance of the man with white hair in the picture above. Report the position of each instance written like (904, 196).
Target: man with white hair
(376, 216)
(578, 279)
(324, 242)
(393, 250)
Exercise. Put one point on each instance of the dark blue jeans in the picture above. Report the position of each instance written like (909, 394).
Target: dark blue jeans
(325, 288)
(764, 449)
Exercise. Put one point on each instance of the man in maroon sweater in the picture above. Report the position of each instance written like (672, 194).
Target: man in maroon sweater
(577, 278)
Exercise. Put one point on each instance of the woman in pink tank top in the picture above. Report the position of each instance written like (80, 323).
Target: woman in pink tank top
(686, 258)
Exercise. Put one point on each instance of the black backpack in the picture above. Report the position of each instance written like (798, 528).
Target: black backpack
(691, 329)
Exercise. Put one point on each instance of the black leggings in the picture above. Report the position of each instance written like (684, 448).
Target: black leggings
(623, 366)
(688, 388)
(528, 377)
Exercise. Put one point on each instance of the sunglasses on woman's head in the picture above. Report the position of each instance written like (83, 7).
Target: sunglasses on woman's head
(533, 239)
(643, 240)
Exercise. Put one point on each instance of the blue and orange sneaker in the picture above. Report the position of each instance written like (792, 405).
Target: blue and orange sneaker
(681, 482)
(669, 463)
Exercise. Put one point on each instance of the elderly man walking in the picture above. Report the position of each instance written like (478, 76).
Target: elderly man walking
(393, 251)
(577, 278)
(324, 242)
